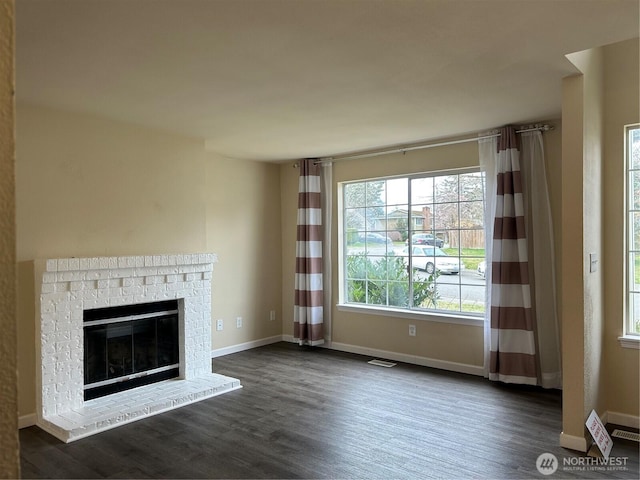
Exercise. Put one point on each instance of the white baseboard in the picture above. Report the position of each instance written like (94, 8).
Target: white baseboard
(241, 347)
(574, 443)
(582, 444)
(413, 359)
(622, 419)
(25, 421)
(400, 357)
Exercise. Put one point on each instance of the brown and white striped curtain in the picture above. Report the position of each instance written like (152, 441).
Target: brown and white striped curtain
(308, 318)
(512, 343)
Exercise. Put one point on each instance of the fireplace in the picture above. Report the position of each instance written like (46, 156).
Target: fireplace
(129, 346)
(122, 338)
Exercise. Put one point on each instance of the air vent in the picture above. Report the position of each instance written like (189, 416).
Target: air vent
(381, 363)
(634, 437)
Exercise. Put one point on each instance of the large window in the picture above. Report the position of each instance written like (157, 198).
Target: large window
(415, 243)
(633, 229)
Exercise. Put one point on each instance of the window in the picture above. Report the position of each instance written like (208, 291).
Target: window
(415, 243)
(633, 229)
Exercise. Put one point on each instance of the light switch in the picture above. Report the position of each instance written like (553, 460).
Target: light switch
(593, 262)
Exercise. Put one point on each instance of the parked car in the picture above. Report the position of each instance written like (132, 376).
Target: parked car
(430, 259)
(426, 239)
(374, 238)
(482, 269)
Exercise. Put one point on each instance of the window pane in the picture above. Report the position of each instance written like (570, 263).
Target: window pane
(634, 272)
(446, 188)
(472, 214)
(375, 193)
(375, 219)
(377, 292)
(635, 186)
(445, 216)
(397, 223)
(397, 191)
(356, 291)
(422, 190)
(634, 147)
(635, 231)
(354, 218)
(471, 187)
(634, 312)
(472, 298)
(424, 291)
(399, 293)
(422, 218)
(472, 242)
(354, 195)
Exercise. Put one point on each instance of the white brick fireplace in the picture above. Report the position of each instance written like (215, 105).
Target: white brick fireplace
(66, 287)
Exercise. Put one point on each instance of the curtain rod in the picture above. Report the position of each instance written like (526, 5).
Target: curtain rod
(420, 146)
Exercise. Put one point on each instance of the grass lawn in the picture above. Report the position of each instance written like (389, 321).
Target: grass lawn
(471, 257)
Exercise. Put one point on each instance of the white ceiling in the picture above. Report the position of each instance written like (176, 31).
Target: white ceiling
(281, 79)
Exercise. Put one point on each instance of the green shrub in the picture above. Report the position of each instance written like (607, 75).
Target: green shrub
(385, 281)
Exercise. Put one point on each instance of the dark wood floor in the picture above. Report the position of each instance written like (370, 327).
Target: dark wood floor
(315, 413)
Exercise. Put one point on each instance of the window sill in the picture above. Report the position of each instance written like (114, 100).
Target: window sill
(630, 341)
(426, 316)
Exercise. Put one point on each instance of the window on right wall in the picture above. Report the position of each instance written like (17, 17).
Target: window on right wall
(632, 154)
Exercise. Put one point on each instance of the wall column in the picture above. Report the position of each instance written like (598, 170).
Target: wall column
(9, 442)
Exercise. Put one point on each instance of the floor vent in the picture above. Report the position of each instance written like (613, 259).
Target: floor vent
(381, 363)
(635, 437)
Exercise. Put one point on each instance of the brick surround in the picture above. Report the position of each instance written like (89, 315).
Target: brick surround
(66, 287)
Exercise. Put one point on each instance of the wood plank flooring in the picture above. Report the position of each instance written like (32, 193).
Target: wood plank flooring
(342, 418)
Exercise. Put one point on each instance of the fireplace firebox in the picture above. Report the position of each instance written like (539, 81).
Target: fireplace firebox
(130, 346)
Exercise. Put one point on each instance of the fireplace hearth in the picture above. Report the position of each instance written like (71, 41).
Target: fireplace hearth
(108, 326)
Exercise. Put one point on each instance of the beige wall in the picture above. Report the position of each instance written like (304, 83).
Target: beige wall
(243, 228)
(622, 107)
(598, 373)
(9, 447)
(442, 342)
(88, 186)
(572, 306)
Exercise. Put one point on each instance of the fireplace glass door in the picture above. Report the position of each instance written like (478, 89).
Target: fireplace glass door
(134, 348)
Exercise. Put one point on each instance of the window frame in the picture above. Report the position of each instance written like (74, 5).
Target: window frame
(630, 338)
(446, 316)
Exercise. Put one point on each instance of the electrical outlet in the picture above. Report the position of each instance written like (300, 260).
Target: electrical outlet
(238, 322)
(412, 330)
(219, 324)
(272, 315)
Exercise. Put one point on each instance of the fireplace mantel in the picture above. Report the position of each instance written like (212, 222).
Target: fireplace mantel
(65, 287)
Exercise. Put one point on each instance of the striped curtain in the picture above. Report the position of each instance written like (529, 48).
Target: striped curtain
(512, 344)
(308, 319)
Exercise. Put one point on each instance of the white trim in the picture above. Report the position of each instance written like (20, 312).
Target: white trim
(477, 370)
(574, 443)
(630, 341)
(622, 419)
(28, 420)
(411, 315)
(241, 347)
